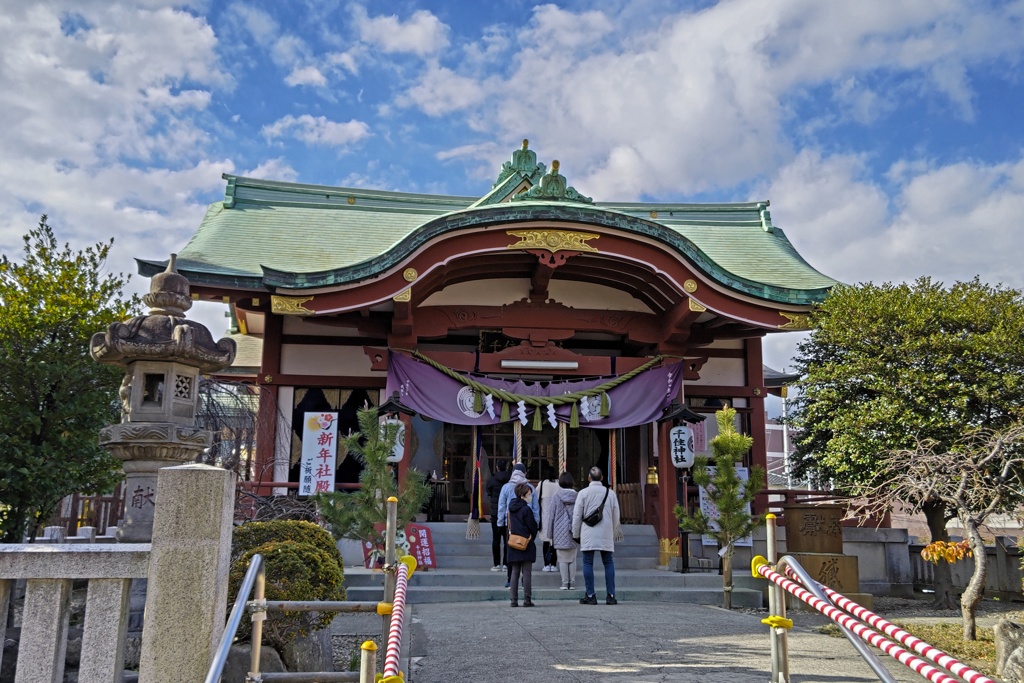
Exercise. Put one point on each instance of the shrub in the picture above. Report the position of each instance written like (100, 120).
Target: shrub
(252, 534)
(301, 562)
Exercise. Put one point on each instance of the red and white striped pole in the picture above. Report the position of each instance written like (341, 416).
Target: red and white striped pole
(950, 664)
(890, 648)
(391, 674)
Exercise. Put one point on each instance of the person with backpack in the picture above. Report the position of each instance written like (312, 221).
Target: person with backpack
(595, 522)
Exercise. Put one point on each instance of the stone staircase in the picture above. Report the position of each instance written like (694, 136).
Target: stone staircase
(463, 574)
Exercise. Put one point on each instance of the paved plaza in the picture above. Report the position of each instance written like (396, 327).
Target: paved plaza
(559, 642)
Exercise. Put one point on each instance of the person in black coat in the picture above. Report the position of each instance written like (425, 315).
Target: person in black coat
(499, 550)
(522, 522)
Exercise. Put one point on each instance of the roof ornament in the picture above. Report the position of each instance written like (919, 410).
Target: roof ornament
(766, 216)
(553, 187)
(523, 161)
(164, 334)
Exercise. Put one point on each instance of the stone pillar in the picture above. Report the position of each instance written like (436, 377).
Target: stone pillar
(188, 573)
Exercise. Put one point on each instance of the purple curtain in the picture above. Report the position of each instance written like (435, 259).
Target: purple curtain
(434, 394)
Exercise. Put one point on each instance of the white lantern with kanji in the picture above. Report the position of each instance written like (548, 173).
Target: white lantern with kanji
(680, 444)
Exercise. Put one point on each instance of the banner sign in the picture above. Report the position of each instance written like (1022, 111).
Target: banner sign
(700, 436)
(432, 393)
(710, 510)
(319, 452)
(415, 540)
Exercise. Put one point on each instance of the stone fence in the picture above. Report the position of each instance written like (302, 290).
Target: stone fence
(1004, 571)
(186, 567)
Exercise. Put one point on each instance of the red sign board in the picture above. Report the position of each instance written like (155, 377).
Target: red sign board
(415, 540)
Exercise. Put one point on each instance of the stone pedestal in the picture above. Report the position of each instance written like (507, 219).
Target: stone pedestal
(144, 448)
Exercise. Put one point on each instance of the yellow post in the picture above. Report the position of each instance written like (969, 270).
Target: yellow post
(368, 663)
(389, 562)
(776, 610)
(259, 615)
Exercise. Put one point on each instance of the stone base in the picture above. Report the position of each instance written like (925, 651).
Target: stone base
(838, 572)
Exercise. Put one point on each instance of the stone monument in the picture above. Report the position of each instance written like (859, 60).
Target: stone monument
(163, 355)
(814, 537)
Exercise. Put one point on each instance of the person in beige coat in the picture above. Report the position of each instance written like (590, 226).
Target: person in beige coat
(546, 490)
(599, 537)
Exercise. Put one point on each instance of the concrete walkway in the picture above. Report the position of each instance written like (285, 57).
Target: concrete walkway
(639, 642)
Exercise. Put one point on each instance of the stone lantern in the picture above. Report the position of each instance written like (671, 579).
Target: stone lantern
(163, 355)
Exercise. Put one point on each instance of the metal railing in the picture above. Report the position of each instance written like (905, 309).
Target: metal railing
(860, 626)
(392, 610)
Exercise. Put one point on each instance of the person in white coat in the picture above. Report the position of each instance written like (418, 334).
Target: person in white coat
(599, 537)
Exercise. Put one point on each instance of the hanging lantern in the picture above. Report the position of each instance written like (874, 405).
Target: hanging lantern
(680, 443)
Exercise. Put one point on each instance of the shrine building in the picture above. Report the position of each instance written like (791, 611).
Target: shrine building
(533, 323)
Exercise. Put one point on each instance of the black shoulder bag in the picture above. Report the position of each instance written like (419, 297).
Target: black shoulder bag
(595, 517)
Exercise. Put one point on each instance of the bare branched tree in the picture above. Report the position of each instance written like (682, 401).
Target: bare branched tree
(979, 477)
(232, 411)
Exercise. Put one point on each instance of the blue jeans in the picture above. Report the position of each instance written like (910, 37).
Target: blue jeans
(609, 570)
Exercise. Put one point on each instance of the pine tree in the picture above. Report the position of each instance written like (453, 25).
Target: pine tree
(730, 494)
(362, 514)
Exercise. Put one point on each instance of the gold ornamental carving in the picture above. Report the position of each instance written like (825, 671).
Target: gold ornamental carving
(403, 296)
(696, 307)
(690, 286)
(797, 321)
(668, 548)
(553, 240)
(290, 305)
(410, 274)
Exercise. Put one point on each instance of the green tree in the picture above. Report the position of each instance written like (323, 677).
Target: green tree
(53, 397)
(889, 366)
(730, 494)
(359, 514)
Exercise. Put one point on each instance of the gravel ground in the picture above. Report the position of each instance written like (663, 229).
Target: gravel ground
(987, 614)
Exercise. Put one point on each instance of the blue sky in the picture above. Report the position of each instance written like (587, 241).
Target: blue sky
(886, 133)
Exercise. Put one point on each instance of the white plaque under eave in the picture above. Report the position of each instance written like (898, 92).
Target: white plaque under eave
(319, 453)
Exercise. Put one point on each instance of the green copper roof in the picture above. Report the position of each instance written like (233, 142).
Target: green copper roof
(268, 234)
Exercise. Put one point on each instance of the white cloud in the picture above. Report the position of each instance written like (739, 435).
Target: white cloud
(493, 44)
(260, 25)
(273, 169)
(101, 123)
(442, 91)
(951, 222)
(955, 221)
(307, 75)
(825, 205)
(706, 98)
(423, 34)
(317, 130)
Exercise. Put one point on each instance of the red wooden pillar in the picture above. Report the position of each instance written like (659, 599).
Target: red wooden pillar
(270, 368)
(758, 426)
(668, 527)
